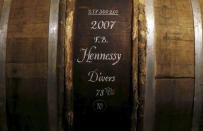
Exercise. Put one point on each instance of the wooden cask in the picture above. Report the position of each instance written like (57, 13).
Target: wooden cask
(166, 64)
(155, 85)
(171, 78)
(26, 65)
(32, 63)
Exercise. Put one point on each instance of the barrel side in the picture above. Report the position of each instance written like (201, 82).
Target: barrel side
(173, 87)
(26, 65)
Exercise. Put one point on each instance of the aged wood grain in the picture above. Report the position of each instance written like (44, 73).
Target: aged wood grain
(22, 70)
(70, 10)
(174, 65)
(61, 65)
(135, 65)
(174, 82)
(174, 101)
(26, 59)
(141, 62)
(34, 50)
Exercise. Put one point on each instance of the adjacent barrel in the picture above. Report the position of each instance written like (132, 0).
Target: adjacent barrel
(26, 59)
(173, 84)
(30, 78)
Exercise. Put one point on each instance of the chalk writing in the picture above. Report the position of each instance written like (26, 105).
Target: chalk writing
(89, 55)
(102, 12)
(95, 76)
(98, 25)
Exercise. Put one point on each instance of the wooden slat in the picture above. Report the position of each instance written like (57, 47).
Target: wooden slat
(28, 30)
(174, 65)
(135, 66)
(37, 70)
(68, 64)
(174, 47)
(170, 66)
(141, 64)
(26, 71)
(27, 104)
(34, 50)
(174, 101)
(61, 64)
(28, 4)
(34, 15)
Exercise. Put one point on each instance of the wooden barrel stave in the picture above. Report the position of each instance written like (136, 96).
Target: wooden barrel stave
(26, 73)
(174, 59)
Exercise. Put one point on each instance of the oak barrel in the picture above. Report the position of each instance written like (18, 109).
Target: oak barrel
(170, 85)
(36, 78)
(166, 64)
(31, 72)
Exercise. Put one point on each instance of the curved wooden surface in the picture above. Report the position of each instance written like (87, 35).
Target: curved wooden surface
(26, 73)
(69, 64)
(31, 74)
(177, 88)
(29, 68)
